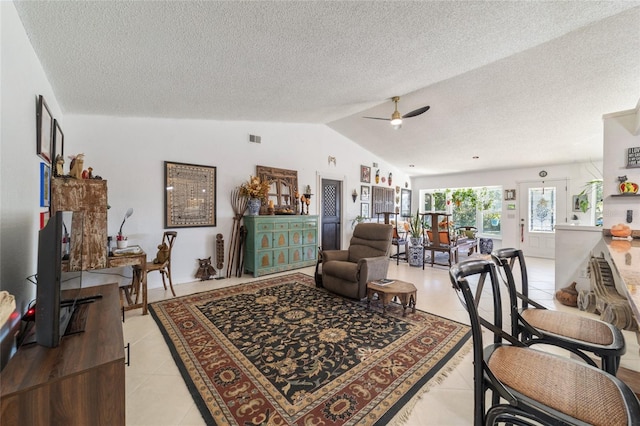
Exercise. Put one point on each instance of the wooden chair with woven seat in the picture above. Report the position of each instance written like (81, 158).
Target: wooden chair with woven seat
(529, 386)
(398, 240)
(536, 324)
(164, 268)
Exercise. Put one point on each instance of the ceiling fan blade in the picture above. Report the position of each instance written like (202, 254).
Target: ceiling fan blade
(378, 118)
(416, 112)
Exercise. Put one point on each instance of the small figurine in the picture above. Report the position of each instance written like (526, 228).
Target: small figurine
(163, 253)
(77, 164)
(205, 271)
(59, 169)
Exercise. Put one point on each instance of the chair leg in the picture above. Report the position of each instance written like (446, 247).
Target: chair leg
(163, 282)
(168, 273)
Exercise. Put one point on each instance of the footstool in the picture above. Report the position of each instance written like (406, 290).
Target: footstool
(404, 291)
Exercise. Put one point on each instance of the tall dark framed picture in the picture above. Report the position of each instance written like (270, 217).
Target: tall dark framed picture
(45, 185)
(44, 123)
(190, 195)
(405, 202)
(365, 174)
(579, 201)
(365, 193)
(58, 149)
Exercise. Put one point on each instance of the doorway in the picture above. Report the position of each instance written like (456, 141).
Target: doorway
(543, 205)
(331, 213)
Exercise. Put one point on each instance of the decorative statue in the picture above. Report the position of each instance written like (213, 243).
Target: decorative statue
(205, 271)
(59, 169)
(77, 164)
(163, 253)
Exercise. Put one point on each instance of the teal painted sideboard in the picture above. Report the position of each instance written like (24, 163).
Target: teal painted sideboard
(280, 243)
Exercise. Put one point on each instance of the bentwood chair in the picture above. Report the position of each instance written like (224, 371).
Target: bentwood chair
(537, 325)
(398, 241)
(529, 386)
(164, 268)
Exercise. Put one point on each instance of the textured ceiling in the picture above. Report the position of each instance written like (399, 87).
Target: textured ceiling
(515, 83)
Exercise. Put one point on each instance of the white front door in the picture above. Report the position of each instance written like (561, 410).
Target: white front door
(543, 205)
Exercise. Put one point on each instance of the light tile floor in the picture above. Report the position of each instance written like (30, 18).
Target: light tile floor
(157, 395)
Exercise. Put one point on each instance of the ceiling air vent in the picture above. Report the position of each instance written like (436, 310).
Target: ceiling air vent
(255, 138)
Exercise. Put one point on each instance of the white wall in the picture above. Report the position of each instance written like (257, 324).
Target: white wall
(130, 153)
(22, 79)
(576, 173)
(620, 133)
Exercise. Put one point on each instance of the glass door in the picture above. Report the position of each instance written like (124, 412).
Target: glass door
(542, 207)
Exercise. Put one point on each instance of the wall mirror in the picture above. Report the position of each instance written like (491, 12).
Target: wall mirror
(284, 184)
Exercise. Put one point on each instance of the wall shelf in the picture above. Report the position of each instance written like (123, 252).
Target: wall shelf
(625, 195)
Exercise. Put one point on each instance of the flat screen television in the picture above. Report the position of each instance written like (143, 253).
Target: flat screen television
(59, 277)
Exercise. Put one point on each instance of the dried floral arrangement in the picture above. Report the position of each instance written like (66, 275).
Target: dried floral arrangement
(255, 188)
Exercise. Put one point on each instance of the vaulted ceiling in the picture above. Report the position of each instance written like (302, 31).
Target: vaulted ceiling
(514, 83)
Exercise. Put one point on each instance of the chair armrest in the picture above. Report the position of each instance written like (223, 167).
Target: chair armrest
(328, 255)
(373, 268)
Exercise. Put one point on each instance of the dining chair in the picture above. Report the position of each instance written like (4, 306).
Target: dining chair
(164, 267)
(398, 240)
(533, 324)
(530, 386)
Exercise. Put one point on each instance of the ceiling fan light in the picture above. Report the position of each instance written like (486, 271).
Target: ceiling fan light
(396, 119)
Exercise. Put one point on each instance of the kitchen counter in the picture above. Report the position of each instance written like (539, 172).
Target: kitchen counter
(625, 256)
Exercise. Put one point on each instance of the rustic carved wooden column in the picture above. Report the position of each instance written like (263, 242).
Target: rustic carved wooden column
(90, 197)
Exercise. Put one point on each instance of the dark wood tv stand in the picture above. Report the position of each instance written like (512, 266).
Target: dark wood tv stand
(80, 382)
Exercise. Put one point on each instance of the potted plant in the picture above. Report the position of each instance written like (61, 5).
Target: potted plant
(583, 196)
(415, 248)
(357, 219)
(463, 195)
(415, 228)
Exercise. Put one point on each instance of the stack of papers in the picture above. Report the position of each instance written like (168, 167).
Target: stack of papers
(128, 250)
(384, 281)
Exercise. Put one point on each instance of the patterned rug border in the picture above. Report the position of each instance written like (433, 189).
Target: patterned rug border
(397, 415)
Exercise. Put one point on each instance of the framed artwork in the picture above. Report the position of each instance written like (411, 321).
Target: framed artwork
(58, 147)
(633, 157)
(45, 185)
(44, 218)
(365, 174)
(405, 202)
(364, 209)
(190, 195)
(365, 193)
(44, 122)
(509, 194)
(578, 200)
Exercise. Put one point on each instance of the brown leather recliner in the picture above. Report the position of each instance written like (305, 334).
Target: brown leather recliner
(346, 272)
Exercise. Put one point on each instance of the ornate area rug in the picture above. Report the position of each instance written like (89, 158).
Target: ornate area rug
(280, 351)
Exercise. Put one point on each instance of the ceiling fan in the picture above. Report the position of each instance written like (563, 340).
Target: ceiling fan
(396, 118)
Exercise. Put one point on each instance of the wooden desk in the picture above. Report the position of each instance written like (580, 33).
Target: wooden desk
(386, 215)
(79, 382)
(139, 263)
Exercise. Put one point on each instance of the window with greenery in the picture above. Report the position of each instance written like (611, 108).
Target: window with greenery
(490, 218)
(479, 207)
